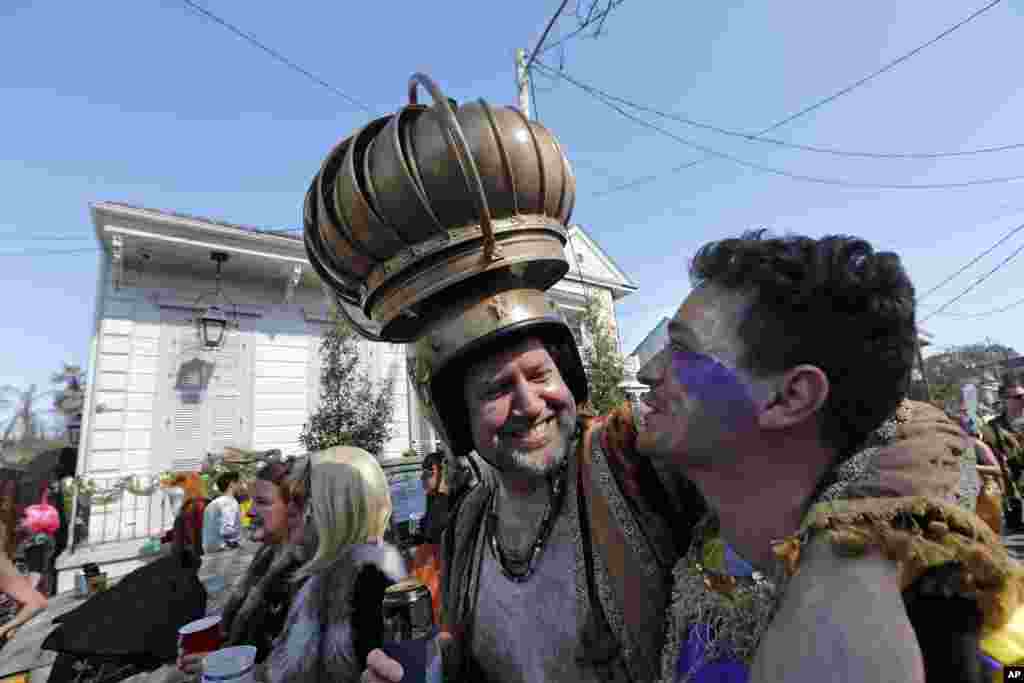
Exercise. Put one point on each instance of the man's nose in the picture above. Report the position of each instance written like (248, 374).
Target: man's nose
(651, 371)
(526, 399)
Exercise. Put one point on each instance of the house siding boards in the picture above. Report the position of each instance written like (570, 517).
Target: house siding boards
(128, 353)
(282, 377)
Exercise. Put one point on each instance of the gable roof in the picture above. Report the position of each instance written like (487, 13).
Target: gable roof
(608, 271)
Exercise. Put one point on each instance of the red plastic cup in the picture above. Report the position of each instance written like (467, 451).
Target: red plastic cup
(202, 635)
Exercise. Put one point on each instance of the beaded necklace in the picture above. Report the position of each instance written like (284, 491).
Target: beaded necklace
(554, 506)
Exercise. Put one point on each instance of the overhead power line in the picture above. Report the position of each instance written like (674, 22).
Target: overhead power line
(974, 284)
(840, 182)
(277, 55)
(970, 263)
(983, 314)
(750, 137)
(818, 104)
(48, 252)
(12, 237)
(878, 72)
(544, 36)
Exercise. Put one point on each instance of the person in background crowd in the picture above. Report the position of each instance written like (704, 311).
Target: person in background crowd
(426, 561)
(335, 619)
(61, 536)
(256, 609)
(435, 486)
(20, 589)
(186, 535)
(1005, 436)
(991, 491)
(222, 522)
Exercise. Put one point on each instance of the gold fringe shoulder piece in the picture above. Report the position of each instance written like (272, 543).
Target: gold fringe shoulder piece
(921, 533)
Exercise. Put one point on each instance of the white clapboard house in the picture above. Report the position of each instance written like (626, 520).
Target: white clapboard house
(156, 401)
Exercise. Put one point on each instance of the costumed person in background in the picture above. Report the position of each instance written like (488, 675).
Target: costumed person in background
(992, 486)
(786, 357)
(186, 535)
(256, 609)
(38, 528)
(335, 618)
(1005, 436)
(19, 589)
(222, 521)
(435, 486)
(559, 570)
(426, 560)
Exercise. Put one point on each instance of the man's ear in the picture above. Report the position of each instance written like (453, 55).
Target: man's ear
(801, 392)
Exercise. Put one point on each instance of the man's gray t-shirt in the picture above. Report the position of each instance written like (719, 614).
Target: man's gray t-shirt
(530, 632)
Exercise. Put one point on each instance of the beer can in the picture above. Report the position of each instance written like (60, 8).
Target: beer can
(407, 611)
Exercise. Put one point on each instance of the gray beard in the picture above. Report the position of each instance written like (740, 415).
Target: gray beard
(521, 461)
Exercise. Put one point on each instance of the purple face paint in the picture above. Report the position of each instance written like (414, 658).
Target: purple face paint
(722, 395)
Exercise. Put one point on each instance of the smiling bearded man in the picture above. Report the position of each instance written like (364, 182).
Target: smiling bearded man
(781, 396)
(559, 570)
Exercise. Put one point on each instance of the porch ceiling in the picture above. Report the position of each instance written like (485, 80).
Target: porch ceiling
(151, 239)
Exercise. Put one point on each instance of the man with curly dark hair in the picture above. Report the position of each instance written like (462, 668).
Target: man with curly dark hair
(781, 395)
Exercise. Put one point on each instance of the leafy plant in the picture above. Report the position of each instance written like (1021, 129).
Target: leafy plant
(601, 358)
(353, 410)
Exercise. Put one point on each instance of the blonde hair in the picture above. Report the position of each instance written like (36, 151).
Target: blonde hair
(351, 502)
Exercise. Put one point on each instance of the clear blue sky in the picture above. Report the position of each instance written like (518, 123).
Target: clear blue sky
(146, 102)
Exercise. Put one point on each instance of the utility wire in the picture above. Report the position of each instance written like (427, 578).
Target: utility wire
(793, 145)
(970, 263)
(974, 284)
(277, 55)
(4, 237)
(816, 105)
(984, 314)
(48, 252)
(878, 72)
(533, 97)
(544, 36)
(839, 182)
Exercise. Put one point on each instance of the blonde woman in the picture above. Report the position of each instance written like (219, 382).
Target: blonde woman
(334, 620)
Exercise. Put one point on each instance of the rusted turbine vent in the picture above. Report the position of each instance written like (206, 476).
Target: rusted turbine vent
(431, 197)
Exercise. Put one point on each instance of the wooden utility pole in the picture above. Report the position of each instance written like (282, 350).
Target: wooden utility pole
(523, 82)
(924, 371)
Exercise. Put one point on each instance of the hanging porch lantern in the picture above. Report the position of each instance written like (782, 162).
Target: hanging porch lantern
(213, 321)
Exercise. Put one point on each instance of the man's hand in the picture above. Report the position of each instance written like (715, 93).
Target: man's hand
(381, 669)
(191, 664)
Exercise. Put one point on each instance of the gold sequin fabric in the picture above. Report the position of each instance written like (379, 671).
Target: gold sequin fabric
(735, 618)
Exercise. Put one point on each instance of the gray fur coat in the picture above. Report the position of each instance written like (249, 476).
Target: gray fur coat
(320, 641)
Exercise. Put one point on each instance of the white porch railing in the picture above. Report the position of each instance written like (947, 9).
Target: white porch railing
(111, 509)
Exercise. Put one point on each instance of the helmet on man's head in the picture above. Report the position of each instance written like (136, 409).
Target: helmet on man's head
(473, 328)
(441, 227)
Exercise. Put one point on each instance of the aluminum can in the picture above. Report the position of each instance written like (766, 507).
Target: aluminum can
(407, 611)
